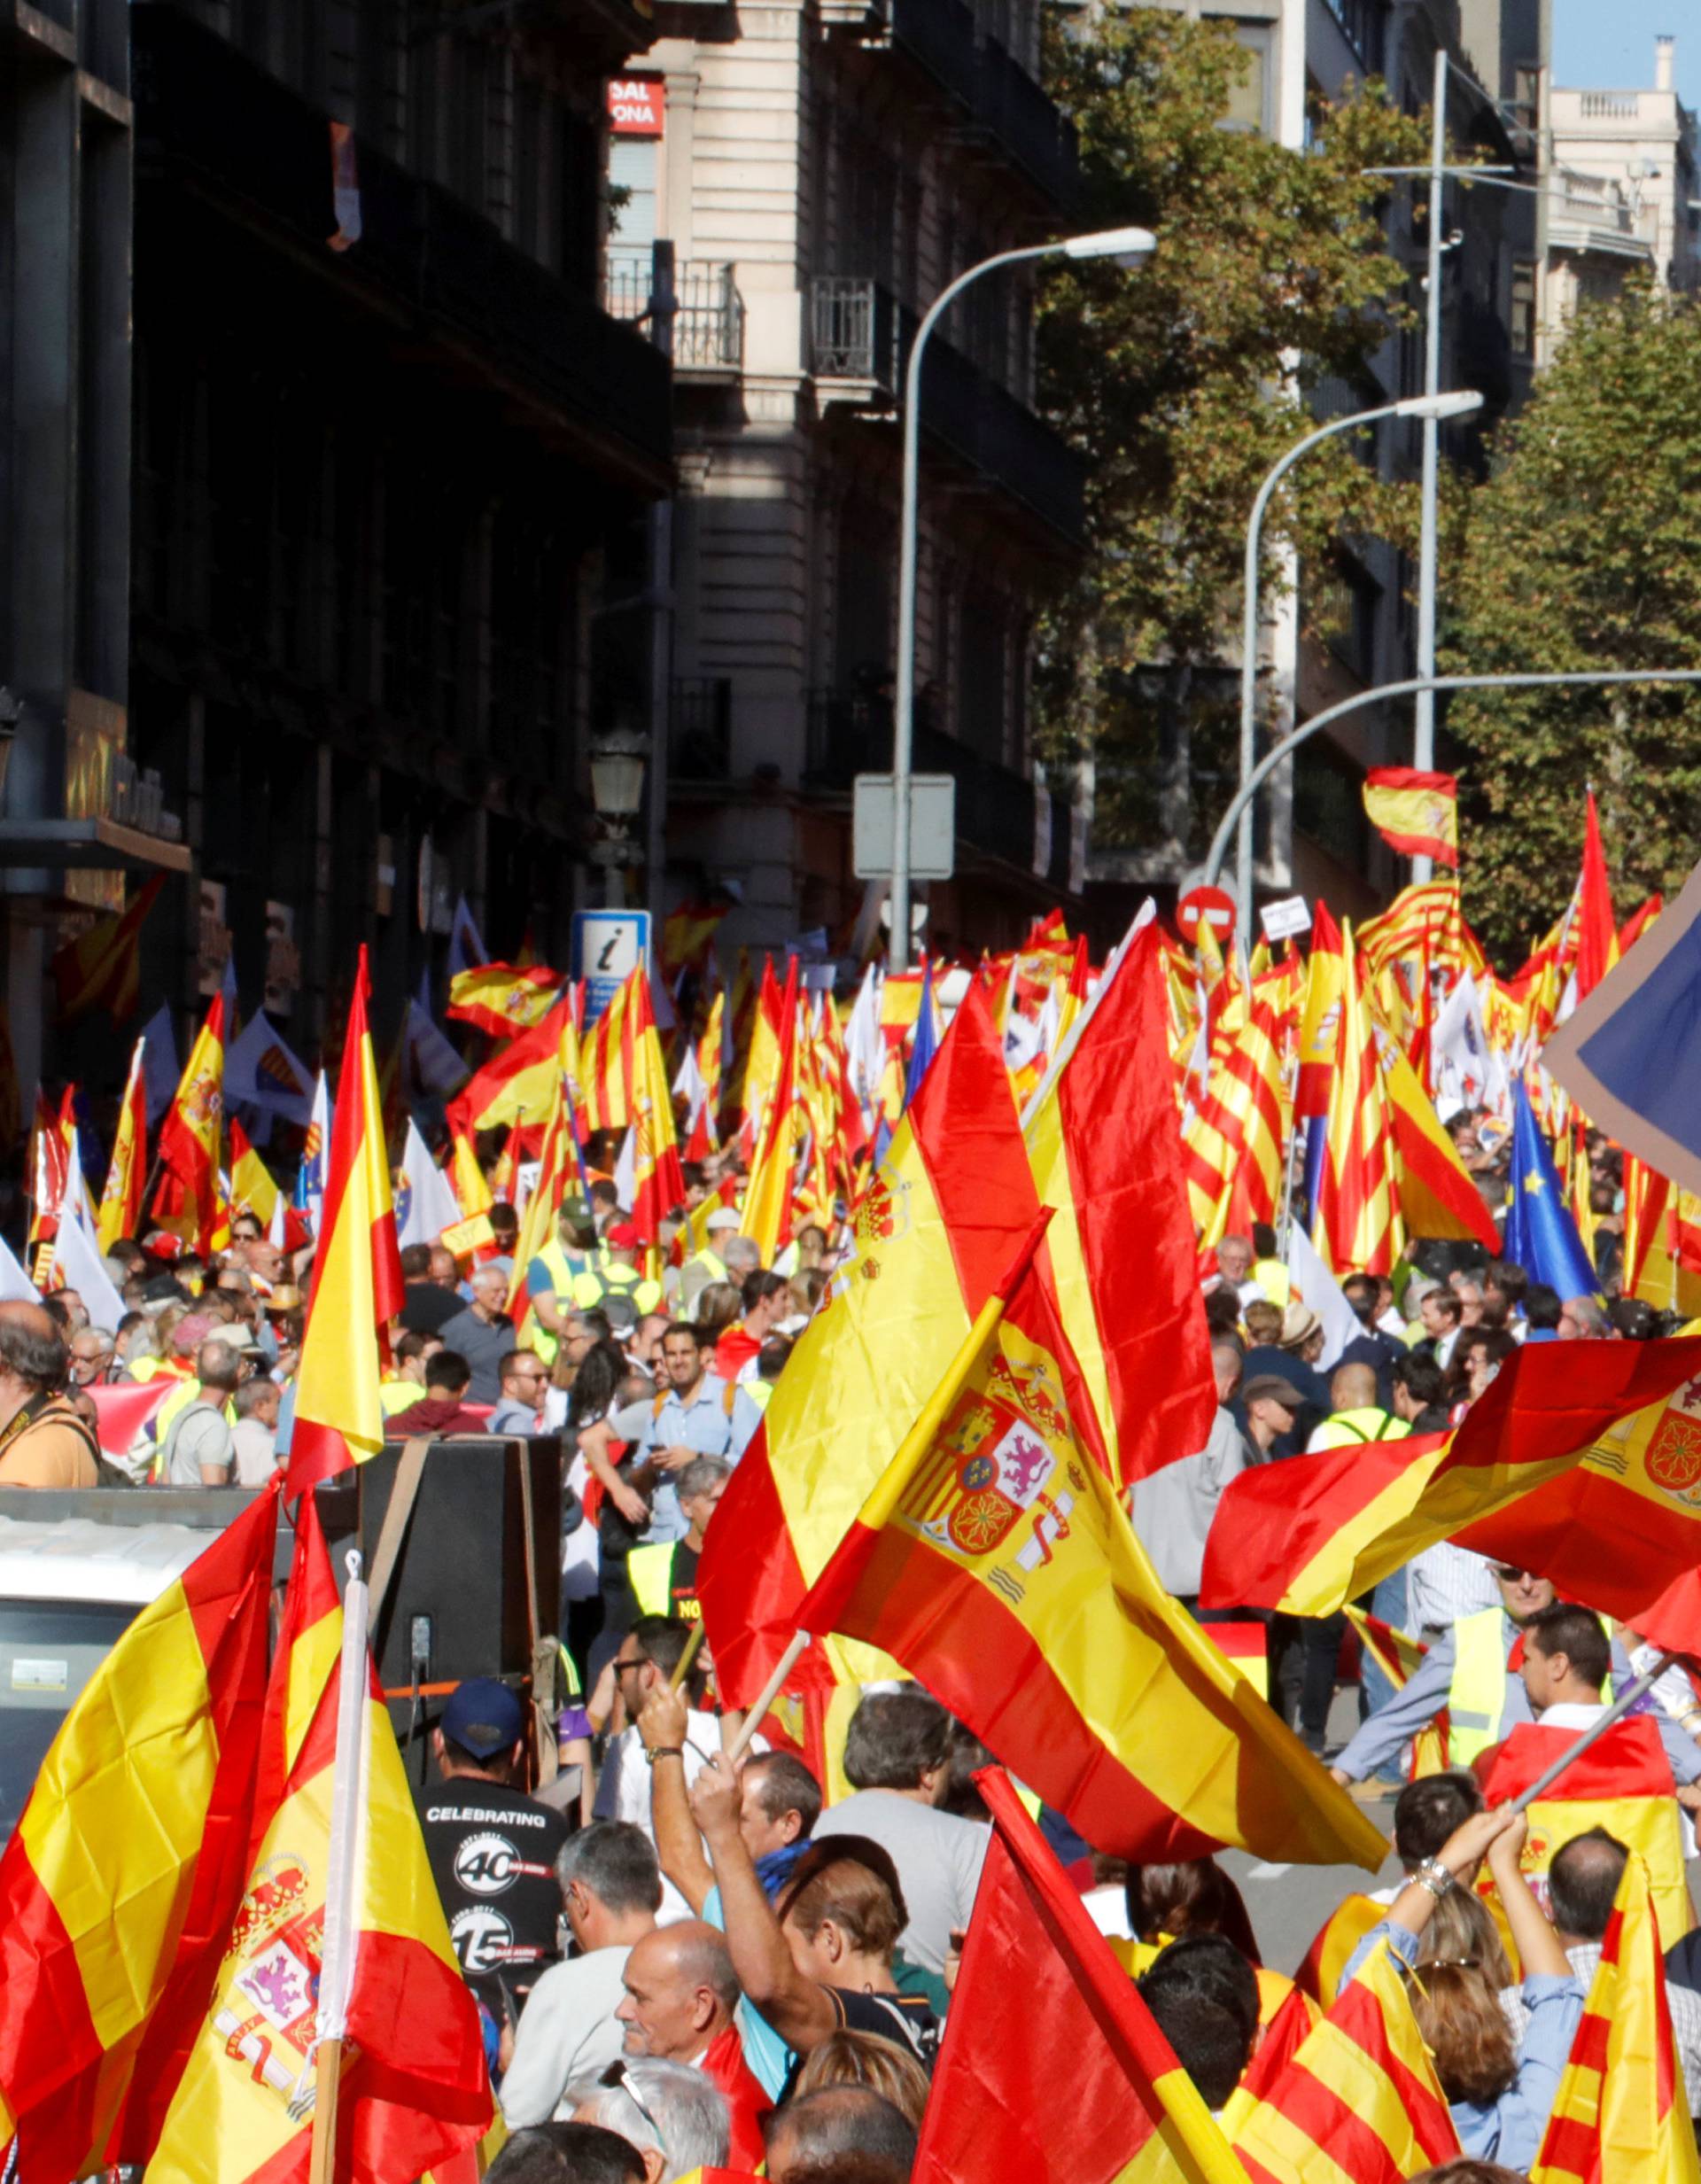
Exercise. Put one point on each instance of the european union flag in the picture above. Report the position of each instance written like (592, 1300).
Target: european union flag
(1630, 1055)
(925, 1043)
(1541, 1235)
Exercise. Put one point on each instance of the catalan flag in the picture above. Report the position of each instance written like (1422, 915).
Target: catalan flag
(120, 1198)
(1578, 1461)
(1324, 1964)
(935, 1230)
(605, 1066)
(414, 2089)
(1397, 1656)
(1356, 1219)
(187, 1201)
(357, 1278)
(1417, 815)
(993, 1559)
(101, 968)
(1358, 2099)
(1621, 2111)
(1234, 1142)
(1103, 1151)
(501, 998)
(1001, 2109)
(122, 1879)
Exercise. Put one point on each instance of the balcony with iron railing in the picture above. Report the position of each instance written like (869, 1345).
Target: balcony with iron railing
(708, 310)
(860, 340)
(1025, 123)
(700, 730)
(850, 733)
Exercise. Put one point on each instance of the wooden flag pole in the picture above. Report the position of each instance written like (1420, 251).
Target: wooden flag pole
(328, 2072)
(766, 1697)
(685, 1660)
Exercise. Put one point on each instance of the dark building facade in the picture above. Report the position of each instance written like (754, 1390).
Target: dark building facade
(355, 466)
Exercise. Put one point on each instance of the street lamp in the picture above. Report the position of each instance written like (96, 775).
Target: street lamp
(1432, 408)
(1127, 246)
(617, 796)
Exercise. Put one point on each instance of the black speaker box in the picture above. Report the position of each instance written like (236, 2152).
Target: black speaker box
(460, 1583)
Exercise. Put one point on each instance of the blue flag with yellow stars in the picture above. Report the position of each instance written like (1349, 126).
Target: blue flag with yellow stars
(1541, 1235)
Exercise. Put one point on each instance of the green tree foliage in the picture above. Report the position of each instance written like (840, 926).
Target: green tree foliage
(1583, 550)
(1171, 378)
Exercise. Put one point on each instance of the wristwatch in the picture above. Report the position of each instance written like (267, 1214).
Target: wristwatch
(652, 1753)
(1433, 1876)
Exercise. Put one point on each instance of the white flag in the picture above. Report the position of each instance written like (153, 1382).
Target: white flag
(426, 1205)
(1314, 1285)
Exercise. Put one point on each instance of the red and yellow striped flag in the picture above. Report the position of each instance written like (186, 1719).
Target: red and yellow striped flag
(766, 1218)
(101, 968)
(1417, 815)
(658, 1181)
(120, 1198)
(502, 999)
(934, 1232)
(1356, 1219)
(414, 2089)
(1397, 1656)
(993, 1559)
(357, 1277)
(1103, 1151)
(1358, 2098)
(1623, 1782)
(126, 1869)
(1579, 1456)
(1621, 2105)
(1001, 2111)
(605, 1061)
(1234, 1144)
(187, 1201)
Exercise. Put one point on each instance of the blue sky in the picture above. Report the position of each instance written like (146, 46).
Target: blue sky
(1598, 46)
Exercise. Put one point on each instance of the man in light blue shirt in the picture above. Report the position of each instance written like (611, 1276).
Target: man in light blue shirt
(698, 1414)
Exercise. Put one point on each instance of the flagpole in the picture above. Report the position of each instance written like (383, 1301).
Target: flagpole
(758, 1713)
(1615, 1713)
(342, 1874)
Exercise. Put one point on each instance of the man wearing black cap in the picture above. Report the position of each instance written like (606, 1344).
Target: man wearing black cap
(491, 1848)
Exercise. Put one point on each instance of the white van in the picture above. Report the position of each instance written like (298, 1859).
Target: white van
(69, 1589)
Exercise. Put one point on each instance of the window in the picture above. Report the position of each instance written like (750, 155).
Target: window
(1523, 313)
(1329, 803)
(632, 170)
(982, 684)
(1249, 99)
(1366, 24)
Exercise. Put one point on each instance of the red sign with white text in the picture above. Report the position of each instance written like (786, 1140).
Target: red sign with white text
(636, 106)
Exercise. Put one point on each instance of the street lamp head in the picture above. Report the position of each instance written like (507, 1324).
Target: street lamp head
(1440, 407)
(1129, 246)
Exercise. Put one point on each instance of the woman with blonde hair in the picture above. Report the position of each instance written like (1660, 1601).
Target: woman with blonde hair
(847, 2058)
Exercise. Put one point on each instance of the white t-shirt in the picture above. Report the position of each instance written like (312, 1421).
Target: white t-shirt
(623, 1790)
(568, 2035)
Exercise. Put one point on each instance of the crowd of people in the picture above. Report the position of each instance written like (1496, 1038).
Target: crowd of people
(695, 1959)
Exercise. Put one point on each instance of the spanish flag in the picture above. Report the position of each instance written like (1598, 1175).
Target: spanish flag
(517, 1083)
(119, 1884)
(1103, 1150)
(1623, 1782)
(253, 1189)
(1597, 932)
(1417, 815)
(688, 936)
(1579, 1461)
(187, 1200)
(101, 968)
(357, 1278)
(994, 1560)
(1438, 1197)
(1052, 2065)
(556, 1163)
(502, 999)
(1358, 2097)
(658, 1181)
(414, 2089)
(766, 1217)
(1320, 1013)
(121, 1199)
(1621, 2109)
(936, 1229)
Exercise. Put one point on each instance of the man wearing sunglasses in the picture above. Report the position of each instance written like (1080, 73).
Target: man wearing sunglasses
(1476, 1670)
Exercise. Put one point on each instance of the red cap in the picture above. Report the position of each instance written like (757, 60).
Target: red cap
(623, 1236)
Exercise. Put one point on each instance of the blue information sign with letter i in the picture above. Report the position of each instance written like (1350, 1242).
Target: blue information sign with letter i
(608, 947)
